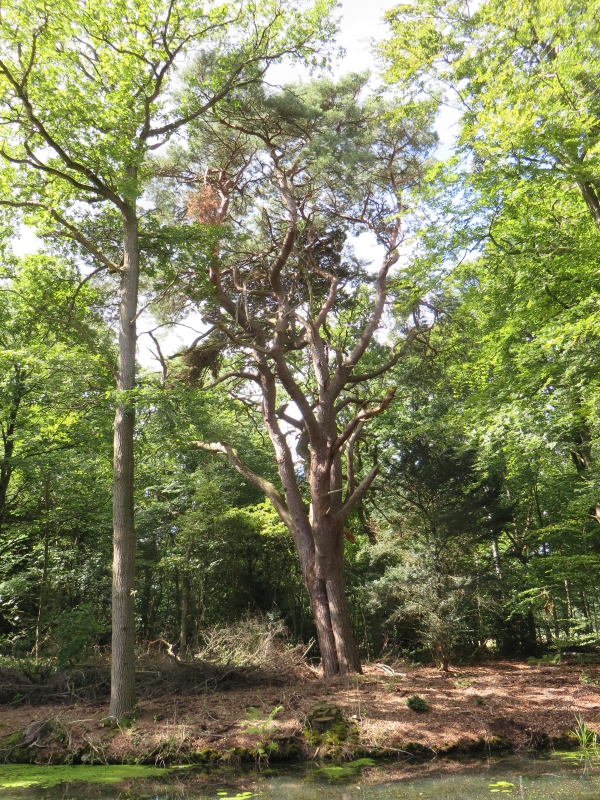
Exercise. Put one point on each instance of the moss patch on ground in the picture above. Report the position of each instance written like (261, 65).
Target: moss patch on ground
(14, 776)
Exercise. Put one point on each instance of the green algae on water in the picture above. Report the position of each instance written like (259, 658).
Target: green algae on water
(13, 776)
(337, 772)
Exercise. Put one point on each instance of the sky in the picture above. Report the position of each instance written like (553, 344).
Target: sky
(361, 23)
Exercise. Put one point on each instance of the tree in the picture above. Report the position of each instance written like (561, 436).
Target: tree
(54, 423)
(529, 119)
(87, 92)
(291, 177)
(436, 520)
(520, 201)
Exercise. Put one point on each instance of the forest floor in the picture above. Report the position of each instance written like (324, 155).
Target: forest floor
(496, 705)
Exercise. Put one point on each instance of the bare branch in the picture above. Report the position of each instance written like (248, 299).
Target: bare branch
(234, 373)
(367, 376)
(160, 358)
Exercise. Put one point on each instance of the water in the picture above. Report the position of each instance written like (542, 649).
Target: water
(532, 779)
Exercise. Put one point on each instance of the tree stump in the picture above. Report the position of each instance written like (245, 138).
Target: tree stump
(323, 716)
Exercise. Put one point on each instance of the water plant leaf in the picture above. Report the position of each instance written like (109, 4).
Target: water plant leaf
(502, 787)
(238, 796)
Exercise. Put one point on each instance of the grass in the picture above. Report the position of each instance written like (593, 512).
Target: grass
(588, 751)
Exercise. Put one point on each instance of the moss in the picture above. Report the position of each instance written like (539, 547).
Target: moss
(456, 748)
(329, 729)
(323, 717)
(287, 751)
(330, 773)
(416, 749)
(207, 756)
(338, 733)
(499, 743)
(566, 741)
(20, 775)
(312, 737)
(377, 752)
(294, 751)
(14, 749)
(340, 772)
(361, 762)
(462, 747)
(13, 740)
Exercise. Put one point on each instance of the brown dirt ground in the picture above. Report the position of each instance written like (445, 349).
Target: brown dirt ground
(523, 703)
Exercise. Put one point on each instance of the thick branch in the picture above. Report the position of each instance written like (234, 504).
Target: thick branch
(261, 483)
(357, 495)
(161, 359)
(70, 163)
(74, 233)
(375, 318)
(363, 414)
(376, 373)
(350, 480)
(79, 237)
(328, 304)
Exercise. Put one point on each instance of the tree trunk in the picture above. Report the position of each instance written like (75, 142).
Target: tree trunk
(325, 584)
(347, 652)
(319, 604)
(122, 698)
(42, 600)
(185, 600)
(8, 439)
(339, 654)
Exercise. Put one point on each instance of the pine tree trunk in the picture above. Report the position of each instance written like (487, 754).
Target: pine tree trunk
(319, 603)
(347, 652)
(325, 585)
(122, 698)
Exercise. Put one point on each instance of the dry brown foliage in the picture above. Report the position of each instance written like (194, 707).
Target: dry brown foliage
(250, 642)
(203, 206)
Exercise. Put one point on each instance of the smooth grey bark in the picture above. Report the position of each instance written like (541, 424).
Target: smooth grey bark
(122, 696)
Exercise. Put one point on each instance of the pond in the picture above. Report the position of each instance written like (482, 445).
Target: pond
(533, 779)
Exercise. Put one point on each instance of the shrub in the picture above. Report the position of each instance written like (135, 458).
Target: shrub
(416, 703)
(76, 632)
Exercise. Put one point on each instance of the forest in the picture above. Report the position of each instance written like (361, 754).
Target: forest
(377, 433)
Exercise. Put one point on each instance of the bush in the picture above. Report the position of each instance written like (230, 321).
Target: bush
(76, 632)
(416, 703)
